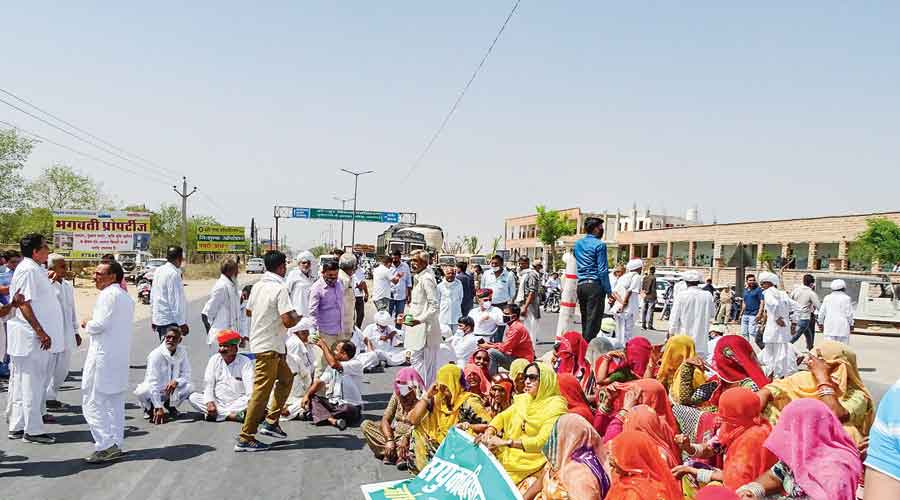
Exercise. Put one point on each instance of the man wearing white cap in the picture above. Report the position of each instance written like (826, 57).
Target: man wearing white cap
(380, 338)
(777, 356)
(299, 282)
(692, 311)
(836, 313)
(626, 302)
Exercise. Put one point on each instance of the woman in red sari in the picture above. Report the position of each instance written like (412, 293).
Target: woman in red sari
(740, 439)
(571, 357)
(639, 472)
(619, 398)
(476, 382)
(617, 366)
(570, 388)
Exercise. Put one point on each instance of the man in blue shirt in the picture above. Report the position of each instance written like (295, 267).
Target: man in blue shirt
(593, 277)
(11, 259)
(750, 308)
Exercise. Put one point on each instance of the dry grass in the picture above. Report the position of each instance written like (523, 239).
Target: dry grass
(202, 271)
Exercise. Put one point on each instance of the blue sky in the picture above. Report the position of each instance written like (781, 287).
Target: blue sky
(748, 112)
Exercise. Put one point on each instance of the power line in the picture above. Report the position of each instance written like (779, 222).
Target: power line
(83, 131)
(57, 127)
(86, 155)
(462, 94)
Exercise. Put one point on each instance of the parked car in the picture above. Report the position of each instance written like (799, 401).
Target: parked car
(147, 272)
(256, 265)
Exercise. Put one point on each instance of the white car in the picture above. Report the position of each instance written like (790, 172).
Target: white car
(255, 265)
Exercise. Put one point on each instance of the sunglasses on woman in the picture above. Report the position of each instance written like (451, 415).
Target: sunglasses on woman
(534, 377)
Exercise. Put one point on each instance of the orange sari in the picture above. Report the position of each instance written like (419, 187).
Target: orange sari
(743, 433)
(644, 419)
(639, 471)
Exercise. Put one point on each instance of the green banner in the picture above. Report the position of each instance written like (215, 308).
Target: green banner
(458, 471)
(221, 239)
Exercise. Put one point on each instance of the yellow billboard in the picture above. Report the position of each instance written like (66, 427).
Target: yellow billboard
(89, 234)
(221, 239)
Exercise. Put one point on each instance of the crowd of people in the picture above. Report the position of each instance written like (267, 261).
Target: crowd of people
(603, 414)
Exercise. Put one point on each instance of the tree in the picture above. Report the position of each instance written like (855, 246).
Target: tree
(320, 250)
(879, 242)
(471, 244)
(60, 187)
(551, 226)
(14, 152)
(495, 244)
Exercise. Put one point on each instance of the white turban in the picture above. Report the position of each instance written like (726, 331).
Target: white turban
(634, 264)
(693, 276)
(382, 318)
(306, 324)
(838, 285)
(305, 256)
(770, 277)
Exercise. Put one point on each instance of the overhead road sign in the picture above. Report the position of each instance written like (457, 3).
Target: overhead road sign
(338, 214)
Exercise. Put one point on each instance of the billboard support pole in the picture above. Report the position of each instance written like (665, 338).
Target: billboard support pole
(184, 196)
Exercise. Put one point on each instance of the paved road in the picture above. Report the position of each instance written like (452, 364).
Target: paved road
(192, 459)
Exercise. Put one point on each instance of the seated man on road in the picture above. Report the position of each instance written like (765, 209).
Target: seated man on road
(379, 337)
(167, 381)
(342, 403)
(486, 316)
(306, 362)
(464, 342)
(228, 382)
(516, 340)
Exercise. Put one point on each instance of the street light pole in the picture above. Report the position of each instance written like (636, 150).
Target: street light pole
(343, 207)
(355, 197)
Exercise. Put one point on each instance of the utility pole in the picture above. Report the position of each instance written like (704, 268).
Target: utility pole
(184, 196)
(253, 237)
(343, 207)
(355, 197)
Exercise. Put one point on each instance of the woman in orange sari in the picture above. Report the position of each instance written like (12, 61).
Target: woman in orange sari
(618, 398)
(639, 473)
(740, 438)
(644, 419)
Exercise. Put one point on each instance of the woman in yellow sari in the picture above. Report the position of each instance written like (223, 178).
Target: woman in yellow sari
(678, 350)
(518, 434)
(446, 404)
(834, 379)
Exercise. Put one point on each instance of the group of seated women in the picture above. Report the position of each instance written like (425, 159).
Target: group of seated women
(645, 422)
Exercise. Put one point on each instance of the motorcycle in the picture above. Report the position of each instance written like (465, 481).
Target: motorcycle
(552, 302)
(143, 290)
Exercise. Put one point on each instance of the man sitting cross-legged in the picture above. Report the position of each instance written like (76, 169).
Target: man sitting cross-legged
(228, 382)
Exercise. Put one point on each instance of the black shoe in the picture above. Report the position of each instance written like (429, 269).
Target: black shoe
(173, 412)
(254, 445)
(39, 438)
(53, 404)
(341, 424)
(15, 434)
(272, 430)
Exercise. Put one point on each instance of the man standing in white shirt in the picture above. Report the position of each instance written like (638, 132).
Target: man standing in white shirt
(347, 266)
(626, 300)
(528, 297)
(272, 314)
(382, 280)
(809, 302)
(360, 293)
(167, 380)
(167, 301)
(34, 333)
(836, 313)
(400, 291)
(105, 377)
(223, 309)
(501, 283)
(59, 362)
(300, 280)
(450, 296)
(777, 356)
(227, 382)
(692, 311)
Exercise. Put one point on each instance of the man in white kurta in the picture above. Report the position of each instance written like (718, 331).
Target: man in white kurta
(227, 382)
(422, 335)
(836, 313)
(105, 377)
(59, 362)
(298, 282)
(380, 338)
(306, 362)
(450, 295)
(167, 381)
(778, 356)
(33, 334)
(223, 309)
(692, 311)
(168, 304)
(627, 303)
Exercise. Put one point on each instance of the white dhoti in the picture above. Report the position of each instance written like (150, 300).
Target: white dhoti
(369, 359)
(105, 415)
(531, 324)
(624, 327)
(842, 340)
(58, 371)
(779, 359)
(223, 408)
(179, 395)
(28, 386)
